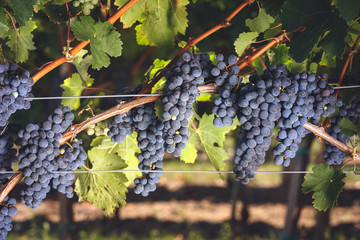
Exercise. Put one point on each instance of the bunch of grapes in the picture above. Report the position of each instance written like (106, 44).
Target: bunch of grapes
(7, 210)
(98, 129)
(7, 152)
(150, 141)
(15, 87)
(226, 76)
(259, 109)
(87, 5)
(39, 146)
(70, 158)
(184, 76)
(122, 124)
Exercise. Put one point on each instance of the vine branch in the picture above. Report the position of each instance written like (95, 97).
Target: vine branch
(192, 42)
(81, 45)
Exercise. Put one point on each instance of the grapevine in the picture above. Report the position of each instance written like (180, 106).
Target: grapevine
(282, 103)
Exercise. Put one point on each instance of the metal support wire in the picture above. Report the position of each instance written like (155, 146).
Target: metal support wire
(167, 171)
(101, 96)
(132, 95)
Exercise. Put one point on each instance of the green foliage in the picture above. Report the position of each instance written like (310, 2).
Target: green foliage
(326, 183)
(21, 41)
(58, 13)
(319, 19)
(23, 9)
(104, 40)
(211, 140)
(107, 190)
(349, 9)
(243, 41)
(4, 28)
(164, 19)
(73, 86)
(82, 64)
(348, 127)
(261, 22)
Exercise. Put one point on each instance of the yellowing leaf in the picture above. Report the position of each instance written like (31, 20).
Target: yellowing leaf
(73, 86)
(211, 140)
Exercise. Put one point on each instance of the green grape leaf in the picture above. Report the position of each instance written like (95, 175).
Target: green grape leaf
(326, 183)
(23, 44)
(127, 150)
(305, 13)
(279, 55)
(211, 140)
(244, 40)
(82, 63)
(334, 42)
(133, 14)
(106, 190)
(4, 28)
(349, 9)
(261, 22)
(23, 10)
(328, 60)
(347, 95)
(104, 40)
(348, 127)
(74, 86)
(164, 19)
(58, 13)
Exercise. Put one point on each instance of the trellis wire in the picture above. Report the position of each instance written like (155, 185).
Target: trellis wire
(133, 95)
(167, 171)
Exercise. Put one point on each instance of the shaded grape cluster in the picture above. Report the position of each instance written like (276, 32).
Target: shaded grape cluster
(15, 87)
(7, 210)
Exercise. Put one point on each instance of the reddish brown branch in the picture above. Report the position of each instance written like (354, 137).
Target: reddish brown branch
(193, 42)
(13, 23)
(75, 129)
(319, 131)
(142, 59)
(352, 50)
(81, 45)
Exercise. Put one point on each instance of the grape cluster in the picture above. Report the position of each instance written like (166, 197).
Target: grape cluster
(70, 158)
(150, 141)
(7, 210)
(184, 76)
(15, 86)
(258, 112)
(226, 76)
(332, 154)
(98, 129)
(7, 152)
(39, 148)
(87, 5)
(308, 98)
(122, 124)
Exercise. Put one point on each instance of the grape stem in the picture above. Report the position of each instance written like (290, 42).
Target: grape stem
(192, 42)
(319, 131)
(81, 45)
